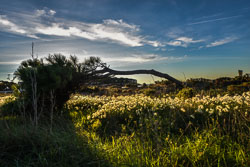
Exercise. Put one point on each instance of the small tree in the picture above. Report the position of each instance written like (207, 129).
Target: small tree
(54, 81)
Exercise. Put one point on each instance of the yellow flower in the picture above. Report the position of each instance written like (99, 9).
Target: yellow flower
(183, 110)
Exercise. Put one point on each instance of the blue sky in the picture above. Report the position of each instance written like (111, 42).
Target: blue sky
(198, 38)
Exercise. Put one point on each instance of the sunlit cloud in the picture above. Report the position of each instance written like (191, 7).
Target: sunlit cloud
(143, 58)
(57, 30)
(176, 43)
(221, 42)
(114, 31)
(183, 41)
(188, 40)
(117, 31)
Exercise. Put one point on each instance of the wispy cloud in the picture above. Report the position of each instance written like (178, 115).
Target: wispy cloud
(45, 12)
(221, 42)
(43, 22)
(188, 40)
(58, 30)
(143, 58)
(136, 58)
(7, 25)
(183, 41)
(213, 20)
(176, 43)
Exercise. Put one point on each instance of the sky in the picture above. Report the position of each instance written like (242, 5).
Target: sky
(183, 38)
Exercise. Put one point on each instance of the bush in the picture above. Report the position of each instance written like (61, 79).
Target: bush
(10, 106)
(238, 89)
(150, 92)
(186, 93)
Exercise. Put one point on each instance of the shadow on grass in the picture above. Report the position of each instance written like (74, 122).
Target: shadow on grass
(22, 144)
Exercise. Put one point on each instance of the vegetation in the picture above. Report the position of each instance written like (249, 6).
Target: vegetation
(58, 78)
(186, 93)
(187, 128)
(143, 131)
(134, 130)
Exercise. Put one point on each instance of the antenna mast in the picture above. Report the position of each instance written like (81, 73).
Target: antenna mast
(32, 50)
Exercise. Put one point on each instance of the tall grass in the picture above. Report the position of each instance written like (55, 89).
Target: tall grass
(144, 131)
(22, 144)
(132, 131)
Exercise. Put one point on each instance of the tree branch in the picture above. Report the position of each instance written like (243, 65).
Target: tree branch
(133, 72)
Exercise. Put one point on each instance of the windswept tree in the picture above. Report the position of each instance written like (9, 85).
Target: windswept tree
(58, 77)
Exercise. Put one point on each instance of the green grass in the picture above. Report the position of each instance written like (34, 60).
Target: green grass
(199, 149)
(22, 144)
(147, 133)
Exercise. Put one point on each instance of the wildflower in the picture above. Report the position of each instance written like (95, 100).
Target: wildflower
(211, 111)
(199, 110)
(225, 109)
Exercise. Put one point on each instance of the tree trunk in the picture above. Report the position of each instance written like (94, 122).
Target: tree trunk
(109, 72)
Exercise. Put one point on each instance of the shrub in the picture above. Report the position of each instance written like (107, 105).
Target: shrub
(150, 92)
(186, 93)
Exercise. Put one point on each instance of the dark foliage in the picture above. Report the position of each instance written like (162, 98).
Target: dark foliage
(56, 79)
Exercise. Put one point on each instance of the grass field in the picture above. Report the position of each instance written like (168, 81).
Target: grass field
(133, 130)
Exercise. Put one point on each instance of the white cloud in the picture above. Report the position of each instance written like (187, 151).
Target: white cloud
(136, 58)
(120, 23)
(176, 43)
(52, 12)
(183, 41)
(188, 40)
(118, 31)
(43, 22)
(44, 12)
(154, 43)
(139, 58)
(9, 26)
(126, 59)
(55, 29)
(110, 30)
(40, 12)
(221, 41)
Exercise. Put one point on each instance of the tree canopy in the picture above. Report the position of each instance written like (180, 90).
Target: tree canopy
(50, 81)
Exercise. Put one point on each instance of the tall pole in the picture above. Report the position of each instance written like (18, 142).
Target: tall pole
(32, 50)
